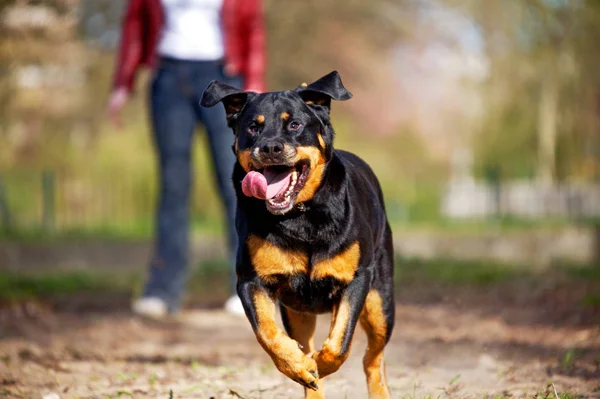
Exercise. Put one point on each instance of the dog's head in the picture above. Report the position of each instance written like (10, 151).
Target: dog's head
(283, 140)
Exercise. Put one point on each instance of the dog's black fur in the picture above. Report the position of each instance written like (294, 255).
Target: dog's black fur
(336, 222)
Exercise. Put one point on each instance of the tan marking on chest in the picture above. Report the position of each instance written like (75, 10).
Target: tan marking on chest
(269, 260)
(341, 267)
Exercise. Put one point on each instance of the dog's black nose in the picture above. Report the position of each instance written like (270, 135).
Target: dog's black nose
(272, 148)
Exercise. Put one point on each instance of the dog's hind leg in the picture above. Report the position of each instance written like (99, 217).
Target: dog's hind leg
(301, 327)
(377, 321)
(377, 318)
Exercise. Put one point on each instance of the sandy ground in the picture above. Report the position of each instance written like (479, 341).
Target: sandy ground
(476, 344)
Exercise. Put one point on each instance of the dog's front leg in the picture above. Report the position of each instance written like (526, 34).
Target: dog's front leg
(285, 352)
(345, 315)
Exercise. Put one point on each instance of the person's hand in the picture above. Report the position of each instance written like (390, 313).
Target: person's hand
(231, 70)
(116, 102)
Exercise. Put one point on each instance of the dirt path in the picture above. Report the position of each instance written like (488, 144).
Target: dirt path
(438, 349)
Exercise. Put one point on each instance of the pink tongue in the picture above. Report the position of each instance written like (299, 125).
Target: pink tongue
(267, 185)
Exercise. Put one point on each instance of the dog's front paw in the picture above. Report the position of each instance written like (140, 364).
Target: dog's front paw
(328, 360)
(292, 362)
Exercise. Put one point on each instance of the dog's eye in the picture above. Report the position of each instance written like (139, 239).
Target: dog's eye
(253, 129)
(294, 125)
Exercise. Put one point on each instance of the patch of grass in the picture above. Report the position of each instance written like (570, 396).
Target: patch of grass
(552, 393)
(561, 395)
(131, 230)
(591, 300)
(209, 280)
(491, 225)
(568, 360)
(452, 271)
(426, 396)
(34, 235)
(127, 377)
(454, 379)
(590, 273)
(210, 283)
(23, 286)
(193, 388)
(152, 380)
(541, 395)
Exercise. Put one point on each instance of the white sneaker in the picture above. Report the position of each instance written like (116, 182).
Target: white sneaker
(150, 306)
(234, 306)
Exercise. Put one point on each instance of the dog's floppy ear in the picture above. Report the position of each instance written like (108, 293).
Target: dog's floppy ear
(324, 90)
(232, 98)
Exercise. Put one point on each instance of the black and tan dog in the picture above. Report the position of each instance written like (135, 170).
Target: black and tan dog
(313, 232)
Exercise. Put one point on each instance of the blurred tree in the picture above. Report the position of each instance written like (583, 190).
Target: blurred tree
(51, 77)
(312, 30)
(49, 83)
(542, 93)
(309, 38)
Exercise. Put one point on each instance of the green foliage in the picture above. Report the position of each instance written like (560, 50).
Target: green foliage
(412, 181)
(454, 379)
(591, 300)
(107, 180)
(568, 360)
(504, 147)
(21, 286)
(591, 273)
(542, 86)
(550, 394)
(452, 271)
(287, 41)
(111, 191)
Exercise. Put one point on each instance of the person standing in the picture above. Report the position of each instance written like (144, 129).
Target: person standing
(187, 43)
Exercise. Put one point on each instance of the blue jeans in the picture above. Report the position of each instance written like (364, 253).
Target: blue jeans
(175, 98)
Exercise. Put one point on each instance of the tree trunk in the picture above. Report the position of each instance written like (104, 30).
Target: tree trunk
(547, 129)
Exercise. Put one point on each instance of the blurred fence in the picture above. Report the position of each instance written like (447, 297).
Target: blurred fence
(51, 201)
(470, 199)
(83, 202)
(60, 202)
(92, 205)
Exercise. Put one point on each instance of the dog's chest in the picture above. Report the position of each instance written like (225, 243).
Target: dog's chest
(270, 261)
(298, 276)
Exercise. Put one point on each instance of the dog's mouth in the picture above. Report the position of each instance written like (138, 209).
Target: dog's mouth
(278, 185)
